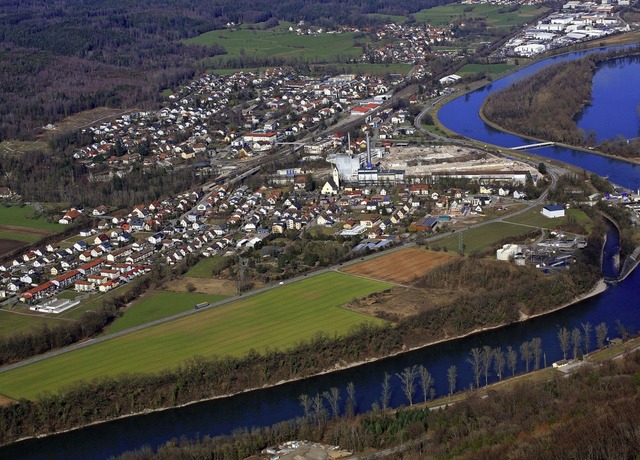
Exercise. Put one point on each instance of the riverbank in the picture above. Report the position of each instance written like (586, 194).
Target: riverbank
(336, 368)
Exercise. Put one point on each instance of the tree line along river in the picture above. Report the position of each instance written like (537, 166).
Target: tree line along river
(271, 405)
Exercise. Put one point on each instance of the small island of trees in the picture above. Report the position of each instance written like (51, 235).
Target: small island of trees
(545, 105)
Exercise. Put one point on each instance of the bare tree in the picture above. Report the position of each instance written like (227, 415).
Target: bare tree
(386, 390)
(526, 355)
(587, 328)
(408, 377)
(487, 358)
(305, 402)
(564, 337)
(333, 398)
(512, 359)
(318, 408)
(426, 381)
(452, 375)
(475, 360)
(499, 362)
(576, 340)
(351, 400)
(536, 349)
(622, 330)
(601, 334)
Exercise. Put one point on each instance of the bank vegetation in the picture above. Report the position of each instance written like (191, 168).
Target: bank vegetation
(590, 414)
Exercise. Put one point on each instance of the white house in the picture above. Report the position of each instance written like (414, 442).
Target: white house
(553, 211)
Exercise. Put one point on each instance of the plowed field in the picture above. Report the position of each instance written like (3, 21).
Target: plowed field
(6, 246)
(401, 266)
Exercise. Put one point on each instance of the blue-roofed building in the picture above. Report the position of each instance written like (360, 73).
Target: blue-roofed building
(553, 211)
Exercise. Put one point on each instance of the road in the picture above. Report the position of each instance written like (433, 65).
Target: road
(408, 243)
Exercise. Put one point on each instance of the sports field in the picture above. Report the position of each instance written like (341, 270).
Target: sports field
(276, 319)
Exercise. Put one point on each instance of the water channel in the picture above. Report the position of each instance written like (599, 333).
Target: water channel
(268, 406)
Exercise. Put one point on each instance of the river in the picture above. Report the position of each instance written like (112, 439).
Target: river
(268, 406)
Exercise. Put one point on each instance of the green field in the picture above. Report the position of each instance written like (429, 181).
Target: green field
(275, 319)
(25, 216)
(159, 304)
(496, 16)
(205, 266)
(534, 218)
(277, 43)
(15, 323)
(482, 237)
(16, 236)
(487, 68)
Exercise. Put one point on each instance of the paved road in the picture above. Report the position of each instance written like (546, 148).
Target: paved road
(408, 243)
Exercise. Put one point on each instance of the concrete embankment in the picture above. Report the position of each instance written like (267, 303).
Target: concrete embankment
(630, 264)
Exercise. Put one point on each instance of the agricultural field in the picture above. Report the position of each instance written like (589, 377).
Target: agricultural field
(25, 216)
(277, 43)
(496, 16)
(19, 225)
(534, 218)
(159, 304)
(400, 266)
(278, 318)
(482, 237)
(492, 69)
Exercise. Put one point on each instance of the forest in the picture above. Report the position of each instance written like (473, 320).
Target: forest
(545, 105)
(58, 178)
(588, 415)
(61, 57)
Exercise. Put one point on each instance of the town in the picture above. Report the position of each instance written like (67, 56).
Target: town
(313, 219)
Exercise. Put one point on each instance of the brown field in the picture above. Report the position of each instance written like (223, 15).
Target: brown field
(400, 266)
(204, 286)
(40, 232)
(4, 401)
(19, 147)
(398, 302)
(6, 246)
(85, 119)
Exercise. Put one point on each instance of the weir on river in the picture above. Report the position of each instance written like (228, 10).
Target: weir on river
(271, 405)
